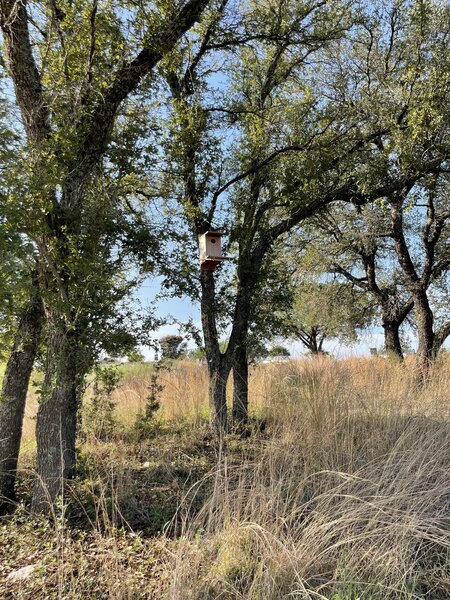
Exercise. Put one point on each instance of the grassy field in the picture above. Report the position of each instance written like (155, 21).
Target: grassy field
(340, 492)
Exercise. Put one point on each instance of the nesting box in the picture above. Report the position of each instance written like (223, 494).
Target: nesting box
(210, 247)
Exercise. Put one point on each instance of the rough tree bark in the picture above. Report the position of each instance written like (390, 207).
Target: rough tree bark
(248, 268)
(219, 364)
(57, 418)
(392, 343)
(439, 337)
(240, 384)
(425, 330)
(218, 375)
(13, 396)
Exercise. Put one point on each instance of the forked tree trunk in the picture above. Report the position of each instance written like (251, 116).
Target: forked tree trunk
(392, 343)
(240, 385)
(312, 340)
(57, 419)
(13, 396)
(219, 365)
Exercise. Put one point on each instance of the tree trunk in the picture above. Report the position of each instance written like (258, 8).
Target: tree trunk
(439, 338)
(392, 343)
(13, 396)
(313, 347)
(57, 418)
(219, 365)
(320, 347)
(218, 376)
(312, 340)
(240, 385)
(425, 332)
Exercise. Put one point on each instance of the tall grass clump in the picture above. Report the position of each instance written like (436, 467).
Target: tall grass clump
(347, 496)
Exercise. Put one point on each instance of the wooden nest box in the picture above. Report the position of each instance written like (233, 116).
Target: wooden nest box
(210, 247)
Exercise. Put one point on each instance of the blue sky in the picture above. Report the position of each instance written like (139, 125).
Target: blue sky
(183, 310)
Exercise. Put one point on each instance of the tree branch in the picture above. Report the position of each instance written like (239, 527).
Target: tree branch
(440, 336)
(99, 122)
(23, 69)
(360, 282)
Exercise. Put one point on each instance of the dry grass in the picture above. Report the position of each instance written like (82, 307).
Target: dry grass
(184, 394)
(349, 498)
(344, 494)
